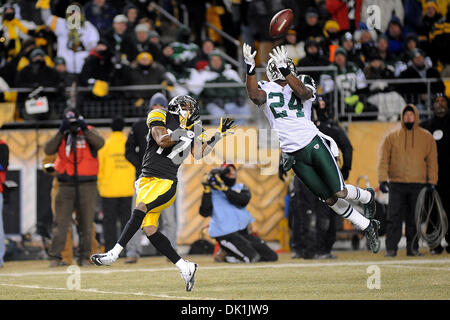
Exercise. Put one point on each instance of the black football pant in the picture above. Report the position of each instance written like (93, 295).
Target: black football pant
(246, 247)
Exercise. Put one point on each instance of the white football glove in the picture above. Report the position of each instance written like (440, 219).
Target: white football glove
(249, 57)
(279, 56)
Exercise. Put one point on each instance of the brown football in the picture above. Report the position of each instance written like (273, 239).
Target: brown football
(280, 23)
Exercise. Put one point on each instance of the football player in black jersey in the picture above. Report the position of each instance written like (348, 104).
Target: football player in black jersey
(173, 134)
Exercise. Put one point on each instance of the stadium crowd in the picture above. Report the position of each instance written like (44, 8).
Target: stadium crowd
(123, 43)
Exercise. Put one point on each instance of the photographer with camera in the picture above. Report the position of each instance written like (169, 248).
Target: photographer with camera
(225, 202)
(76, 166)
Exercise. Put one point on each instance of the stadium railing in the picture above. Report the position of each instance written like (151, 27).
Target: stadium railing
(131, 102)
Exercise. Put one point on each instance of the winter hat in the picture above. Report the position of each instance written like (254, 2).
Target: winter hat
(158, 98)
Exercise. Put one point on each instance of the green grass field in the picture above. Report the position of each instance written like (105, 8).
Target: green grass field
(154, 278)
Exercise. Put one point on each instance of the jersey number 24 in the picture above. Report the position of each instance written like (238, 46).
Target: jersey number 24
(293, 104)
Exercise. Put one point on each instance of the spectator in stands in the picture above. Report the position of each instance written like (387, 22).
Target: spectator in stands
(332, 32)
(347, 43)
(202, 59)
(74, 44)
(12, 32)
(395, 36)
(131, 12)
(116, 177)
(417, 92)
(440, 44)
(380, 92)
(388, 9)
(67, 78)
(76, 143)
(120, 41)
(221, 101)
(346, 13)
(225, 201)
(414, 148)
(439, 127)
(98, 71)
(179, 57)
(9, 70)
(142, 43)
(430, 17)
(312, 29)
(413, 16)
(294, 48)
(155, 40)
(38, 74)
(383, 50)
(100, 13)
(350, 81)
(365, 44)
(4, 162)
(147, 72)
(313, 59)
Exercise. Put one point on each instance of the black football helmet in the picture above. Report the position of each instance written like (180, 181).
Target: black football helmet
(185, 106)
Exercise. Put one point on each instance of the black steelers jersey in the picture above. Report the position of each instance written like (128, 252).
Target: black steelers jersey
(159, 162)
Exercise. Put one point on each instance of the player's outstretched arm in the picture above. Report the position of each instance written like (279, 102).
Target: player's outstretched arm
(200, 149)
(257, 96)
(279, 55)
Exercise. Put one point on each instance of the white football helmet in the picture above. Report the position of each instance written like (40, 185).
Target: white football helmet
(273, 73)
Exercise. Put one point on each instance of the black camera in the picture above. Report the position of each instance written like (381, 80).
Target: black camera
(73, 125)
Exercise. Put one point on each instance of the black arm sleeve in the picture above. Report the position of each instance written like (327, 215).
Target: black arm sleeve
(239, 199)
(206, 206)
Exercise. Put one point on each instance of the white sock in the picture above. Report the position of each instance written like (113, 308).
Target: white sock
(116, 250)
(355, 193)
(345, 209)
(181, 264)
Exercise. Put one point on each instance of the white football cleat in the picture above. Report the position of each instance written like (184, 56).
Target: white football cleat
(188, 275)
(104, 259)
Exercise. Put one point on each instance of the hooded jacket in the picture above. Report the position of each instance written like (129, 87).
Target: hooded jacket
(409, 156)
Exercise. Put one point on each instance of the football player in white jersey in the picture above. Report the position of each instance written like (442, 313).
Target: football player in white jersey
(286, 101)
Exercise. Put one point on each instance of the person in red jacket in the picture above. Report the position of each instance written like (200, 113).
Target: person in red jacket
(345, 12)
(76, 166)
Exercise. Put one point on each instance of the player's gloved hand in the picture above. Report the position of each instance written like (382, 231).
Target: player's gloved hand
(279, 55)
(225, 126)
(180, 132)
(219, 184)
(249, 58)
(206, 182)
(384, 187)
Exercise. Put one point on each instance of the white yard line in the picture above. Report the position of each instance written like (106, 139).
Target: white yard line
(93, 290)
(111, 270)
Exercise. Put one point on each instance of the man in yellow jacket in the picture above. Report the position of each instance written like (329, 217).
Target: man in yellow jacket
(115, 183)
(408, 163)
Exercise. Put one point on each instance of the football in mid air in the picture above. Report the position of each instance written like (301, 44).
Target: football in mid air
(280, 23)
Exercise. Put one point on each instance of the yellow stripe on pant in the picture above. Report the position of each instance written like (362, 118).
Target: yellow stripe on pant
(157, 194)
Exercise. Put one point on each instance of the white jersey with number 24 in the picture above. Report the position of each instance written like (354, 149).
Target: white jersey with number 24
(288, 115)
